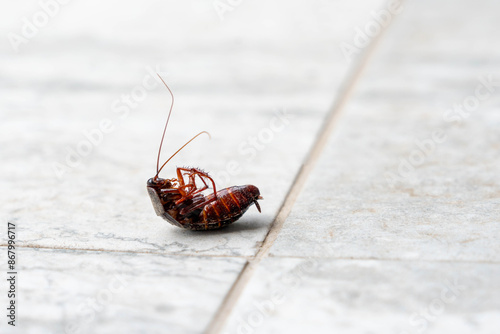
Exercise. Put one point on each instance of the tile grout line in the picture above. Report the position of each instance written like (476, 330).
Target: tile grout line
(228, 304)
(248, 258)
(103, 250)
(381, 259)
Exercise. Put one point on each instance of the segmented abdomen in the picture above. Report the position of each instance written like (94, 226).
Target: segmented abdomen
(231, 204)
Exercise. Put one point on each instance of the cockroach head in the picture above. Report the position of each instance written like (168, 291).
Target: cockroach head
(159, 183)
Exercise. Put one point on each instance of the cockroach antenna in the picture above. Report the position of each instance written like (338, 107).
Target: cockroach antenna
(166, 124)
(158, 168)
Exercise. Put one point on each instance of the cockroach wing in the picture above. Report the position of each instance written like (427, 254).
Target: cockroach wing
(160, 210)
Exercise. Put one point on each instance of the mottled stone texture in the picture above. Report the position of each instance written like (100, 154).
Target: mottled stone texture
(395, 231)
(398, 224)
(260, 81)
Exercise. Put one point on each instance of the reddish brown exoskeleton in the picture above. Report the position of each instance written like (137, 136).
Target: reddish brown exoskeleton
(180, 202)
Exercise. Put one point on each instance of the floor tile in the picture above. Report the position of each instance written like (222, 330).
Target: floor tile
(261, 92)
(369, 296)
(404, 176)
(61, 291)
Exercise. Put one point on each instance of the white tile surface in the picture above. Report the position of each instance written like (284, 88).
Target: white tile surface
(229, 78)
(446, 206)
(358, 254)
(369, 296)
(113, 292)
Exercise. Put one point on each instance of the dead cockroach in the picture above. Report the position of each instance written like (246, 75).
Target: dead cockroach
(180, 202)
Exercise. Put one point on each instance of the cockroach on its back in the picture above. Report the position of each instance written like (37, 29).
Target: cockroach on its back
(180, 202)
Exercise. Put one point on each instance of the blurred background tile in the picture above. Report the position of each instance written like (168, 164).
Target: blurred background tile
(260, 81)
(406, 175)
(369, 296)
(390, 217)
